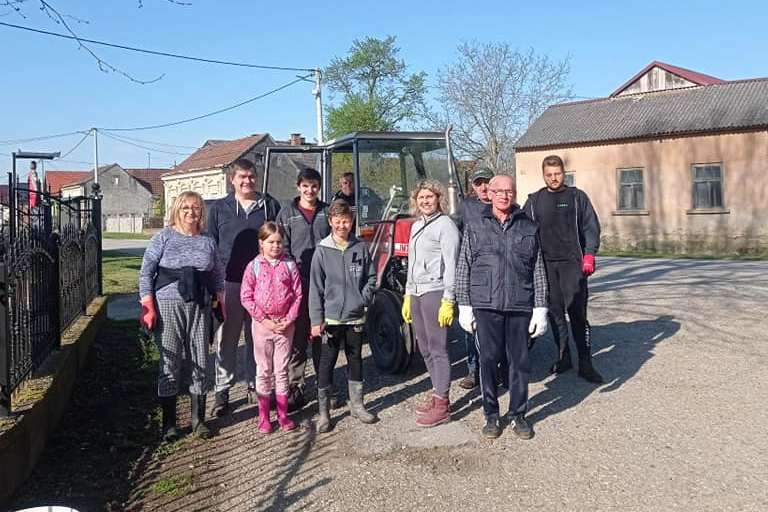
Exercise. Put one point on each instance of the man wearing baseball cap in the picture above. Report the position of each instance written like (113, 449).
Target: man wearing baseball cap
(472, 208)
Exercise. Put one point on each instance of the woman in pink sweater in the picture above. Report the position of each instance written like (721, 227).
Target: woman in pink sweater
(271, 293)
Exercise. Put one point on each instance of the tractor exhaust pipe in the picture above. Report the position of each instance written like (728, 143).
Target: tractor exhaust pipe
(453, 189)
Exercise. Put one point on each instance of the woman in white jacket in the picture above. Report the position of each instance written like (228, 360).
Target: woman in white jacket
(433, 250)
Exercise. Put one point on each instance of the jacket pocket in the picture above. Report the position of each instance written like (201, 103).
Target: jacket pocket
(480, 288)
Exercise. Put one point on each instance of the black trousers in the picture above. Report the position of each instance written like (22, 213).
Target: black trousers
(568, 293)
(301, 337)
(336, 337)
(502, 334)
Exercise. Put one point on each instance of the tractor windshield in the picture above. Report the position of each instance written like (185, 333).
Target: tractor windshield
(390, 169)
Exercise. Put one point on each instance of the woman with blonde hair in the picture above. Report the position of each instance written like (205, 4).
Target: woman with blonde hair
(179, 274)
(433, 250)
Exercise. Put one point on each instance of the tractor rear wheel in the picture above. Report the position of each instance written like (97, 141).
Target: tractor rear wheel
(389, 337)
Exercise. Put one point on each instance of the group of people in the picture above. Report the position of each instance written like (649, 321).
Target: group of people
(297, 280)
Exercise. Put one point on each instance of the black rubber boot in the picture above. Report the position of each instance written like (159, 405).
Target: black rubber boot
(588, 372)
(324, 408)
(220, 403)
(563, 364)
(356, 406)
(169, 433)
(198, 417)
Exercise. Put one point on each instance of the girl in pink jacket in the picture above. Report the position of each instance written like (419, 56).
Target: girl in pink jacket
(271, 293)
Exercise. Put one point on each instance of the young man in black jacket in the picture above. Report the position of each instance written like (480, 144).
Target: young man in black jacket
(305, 223)
(234, 222)
(570, 238)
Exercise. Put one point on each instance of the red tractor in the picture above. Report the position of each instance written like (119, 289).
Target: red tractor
(385, 167)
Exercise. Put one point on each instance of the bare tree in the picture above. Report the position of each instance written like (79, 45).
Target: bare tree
(491, 94)
(19, 6)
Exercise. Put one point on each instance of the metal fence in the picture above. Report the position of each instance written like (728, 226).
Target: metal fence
(50, 270)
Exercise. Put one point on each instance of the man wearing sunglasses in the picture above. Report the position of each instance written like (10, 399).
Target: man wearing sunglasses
(501, 289)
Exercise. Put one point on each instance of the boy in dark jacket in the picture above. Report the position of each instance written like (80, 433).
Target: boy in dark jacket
(570, 238)
(234, 222)
(305, 223)
(342, 284)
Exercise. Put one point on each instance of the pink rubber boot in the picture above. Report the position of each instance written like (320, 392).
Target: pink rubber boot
(265, 426)
(285, 422)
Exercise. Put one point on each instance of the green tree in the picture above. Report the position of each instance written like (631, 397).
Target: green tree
(377, 91)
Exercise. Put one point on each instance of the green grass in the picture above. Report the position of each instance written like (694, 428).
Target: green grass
(173, 486)
(121, 272)
(678, 256)
(127, 236)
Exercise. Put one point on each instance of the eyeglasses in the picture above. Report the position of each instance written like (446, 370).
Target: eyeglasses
(502, 192)
(187, 209)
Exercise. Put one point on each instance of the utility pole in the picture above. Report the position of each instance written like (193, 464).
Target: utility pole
(318, 106)
(95, 155)
(149, 160)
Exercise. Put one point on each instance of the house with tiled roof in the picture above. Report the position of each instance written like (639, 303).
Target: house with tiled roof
(673, 160)
(205, 170)
(55, 180)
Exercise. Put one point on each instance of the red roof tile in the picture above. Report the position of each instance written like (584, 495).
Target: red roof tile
(56, 180)
(216, 154)
(692, 76)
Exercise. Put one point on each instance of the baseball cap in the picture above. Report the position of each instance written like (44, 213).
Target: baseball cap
(483, 173)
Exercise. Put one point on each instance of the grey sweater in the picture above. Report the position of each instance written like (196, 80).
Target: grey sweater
(341, 283)
(171, 249)
(433, 251)
(301, 236)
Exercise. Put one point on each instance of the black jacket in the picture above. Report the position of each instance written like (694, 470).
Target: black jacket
(236, 234)
(586, 223)
(301, 237)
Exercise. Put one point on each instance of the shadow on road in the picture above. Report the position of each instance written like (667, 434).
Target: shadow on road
(620, 349)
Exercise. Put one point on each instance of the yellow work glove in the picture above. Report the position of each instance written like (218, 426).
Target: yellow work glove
(445, 314)
(406, 311)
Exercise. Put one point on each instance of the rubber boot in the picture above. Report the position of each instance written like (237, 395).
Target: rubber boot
(265, 426)
(198, 417)
(356, 407)
(221, 403)
(169, 433)
(286, 423)
(324, 409)
(439, 414)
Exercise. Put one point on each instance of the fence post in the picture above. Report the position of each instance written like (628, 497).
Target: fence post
(54, 246)
(5, 346)
(96, 219)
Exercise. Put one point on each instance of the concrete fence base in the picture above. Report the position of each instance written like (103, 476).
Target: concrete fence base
(24, 436)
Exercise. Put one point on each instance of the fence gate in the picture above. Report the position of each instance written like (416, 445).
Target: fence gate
(50, 270)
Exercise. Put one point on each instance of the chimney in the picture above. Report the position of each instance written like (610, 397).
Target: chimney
(296, 139)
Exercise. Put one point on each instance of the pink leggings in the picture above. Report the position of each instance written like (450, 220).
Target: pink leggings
(273, 353)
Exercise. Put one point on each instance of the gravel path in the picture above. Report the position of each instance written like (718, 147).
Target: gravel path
(680, 425)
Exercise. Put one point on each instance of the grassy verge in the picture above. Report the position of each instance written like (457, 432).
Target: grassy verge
(109, 433)
(121, 272)
(678, 256)
(127, 236)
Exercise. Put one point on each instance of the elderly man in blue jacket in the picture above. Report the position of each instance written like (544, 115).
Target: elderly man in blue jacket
(501, 289)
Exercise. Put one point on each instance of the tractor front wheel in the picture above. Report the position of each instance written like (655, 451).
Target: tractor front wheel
(389, 337)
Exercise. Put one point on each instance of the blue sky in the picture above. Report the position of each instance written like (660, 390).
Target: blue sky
(49, 86)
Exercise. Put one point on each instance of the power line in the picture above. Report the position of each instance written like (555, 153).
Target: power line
(155, 52)
(119, 139)
(141, 141)
(87, 134)
(11, 142)
(220, 111)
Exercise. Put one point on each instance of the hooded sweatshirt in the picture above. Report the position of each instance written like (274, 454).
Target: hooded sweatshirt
(302, 236)
(342, 282)
(271, 289)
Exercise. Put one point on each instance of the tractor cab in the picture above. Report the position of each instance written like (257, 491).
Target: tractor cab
(384, 167)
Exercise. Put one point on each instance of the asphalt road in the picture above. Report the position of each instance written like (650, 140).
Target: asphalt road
(680, 424)
(133, 247)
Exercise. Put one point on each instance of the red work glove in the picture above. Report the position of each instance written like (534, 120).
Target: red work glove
(148, 315)
(588, 264)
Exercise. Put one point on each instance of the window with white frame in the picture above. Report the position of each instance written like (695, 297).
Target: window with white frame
(115, 180)
(707, 186)
(631, 189)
